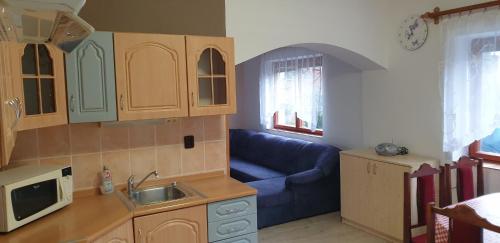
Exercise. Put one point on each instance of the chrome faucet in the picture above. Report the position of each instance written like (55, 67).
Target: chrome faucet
(131, 187)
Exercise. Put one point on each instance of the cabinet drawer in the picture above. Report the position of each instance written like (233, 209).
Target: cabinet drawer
(232, 208)
(229, 228)
(248, 238)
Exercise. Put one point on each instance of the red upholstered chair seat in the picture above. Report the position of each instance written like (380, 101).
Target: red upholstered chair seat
(419, 239)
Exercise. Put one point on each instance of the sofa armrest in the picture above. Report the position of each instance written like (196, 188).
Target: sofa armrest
(304, 177)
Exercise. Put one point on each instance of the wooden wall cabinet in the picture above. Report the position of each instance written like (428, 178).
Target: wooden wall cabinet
(372, 190)
(187, 225)
(10, 106)
(121, 234)
(38, 74)
(150, 76)
(90, 75)
(211, 75)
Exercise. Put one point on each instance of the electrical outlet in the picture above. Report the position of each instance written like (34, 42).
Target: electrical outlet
(189, 142)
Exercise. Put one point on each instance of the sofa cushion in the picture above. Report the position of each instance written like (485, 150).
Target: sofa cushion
(246, 171)
(272, 192)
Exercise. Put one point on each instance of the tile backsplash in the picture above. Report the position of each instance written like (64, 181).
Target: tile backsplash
(126, 148)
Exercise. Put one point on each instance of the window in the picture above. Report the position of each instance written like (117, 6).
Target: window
(295, 97)
(485, 52)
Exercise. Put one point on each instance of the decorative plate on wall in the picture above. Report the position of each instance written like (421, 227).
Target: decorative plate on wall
(413, 33)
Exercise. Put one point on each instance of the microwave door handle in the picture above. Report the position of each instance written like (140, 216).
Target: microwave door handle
(61, 190)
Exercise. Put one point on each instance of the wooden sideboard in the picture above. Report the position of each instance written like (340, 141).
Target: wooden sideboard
(372, 190)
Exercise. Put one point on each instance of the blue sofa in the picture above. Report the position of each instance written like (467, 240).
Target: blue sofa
(294, 178)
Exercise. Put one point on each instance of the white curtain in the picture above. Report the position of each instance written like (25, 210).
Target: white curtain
(290, 80)
(471, 79)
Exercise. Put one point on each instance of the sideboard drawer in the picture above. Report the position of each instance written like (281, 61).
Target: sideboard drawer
(232, 208)
(229, 228)
(248, 238)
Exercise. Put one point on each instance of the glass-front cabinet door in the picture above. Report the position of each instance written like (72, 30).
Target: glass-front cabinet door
(211, 75)
(38, 73)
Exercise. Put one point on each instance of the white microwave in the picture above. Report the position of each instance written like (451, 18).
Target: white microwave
(33, 191)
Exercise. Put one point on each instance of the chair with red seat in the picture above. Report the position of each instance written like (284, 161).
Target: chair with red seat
(425, 195)
(465, 180)
(465, 225)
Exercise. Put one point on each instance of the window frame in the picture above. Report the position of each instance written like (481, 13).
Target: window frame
(475, 151)
(297, 128)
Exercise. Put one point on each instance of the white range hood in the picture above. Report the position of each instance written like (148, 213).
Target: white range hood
(43, 21)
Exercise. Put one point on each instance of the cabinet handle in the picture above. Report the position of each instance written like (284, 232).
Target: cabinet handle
(19, 109)
(121, 102)
(16, 105)
(192, 98)
(72, 103)
(140, 235)
(375, 169)
(368, 168)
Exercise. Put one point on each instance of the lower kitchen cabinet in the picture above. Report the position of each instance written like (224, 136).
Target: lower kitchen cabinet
(233, 220)
(121, 234)
(372, 190)
(248, 238)
(187, 225)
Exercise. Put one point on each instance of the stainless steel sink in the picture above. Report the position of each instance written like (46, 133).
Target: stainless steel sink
(153, 195)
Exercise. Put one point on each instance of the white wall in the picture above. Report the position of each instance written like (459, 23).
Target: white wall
(342, 102)
(400, 104)
(262, 25)
(403, 103)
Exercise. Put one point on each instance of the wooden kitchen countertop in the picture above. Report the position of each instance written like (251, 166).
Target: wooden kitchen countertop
(90, 217)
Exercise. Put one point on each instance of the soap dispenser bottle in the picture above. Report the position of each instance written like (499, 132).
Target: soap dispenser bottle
(107, 183)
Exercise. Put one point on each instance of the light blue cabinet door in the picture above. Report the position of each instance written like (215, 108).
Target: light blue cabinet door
(232, 208)
(229, 228)
(90, 75)
(249, 238)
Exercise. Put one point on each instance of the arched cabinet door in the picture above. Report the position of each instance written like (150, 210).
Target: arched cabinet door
(90, 74)
(121, 234)
(38, 74)
(211, 75)
(187, 225)
(150, 76)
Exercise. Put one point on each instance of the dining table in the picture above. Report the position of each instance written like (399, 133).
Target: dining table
(487, 206)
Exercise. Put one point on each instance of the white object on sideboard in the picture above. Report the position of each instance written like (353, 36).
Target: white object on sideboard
(372, 190)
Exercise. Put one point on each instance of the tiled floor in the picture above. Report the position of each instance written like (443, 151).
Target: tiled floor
(320, 229)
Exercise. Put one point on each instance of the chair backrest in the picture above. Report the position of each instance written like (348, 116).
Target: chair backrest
(465, 180)
(425, 195)
(465, 225)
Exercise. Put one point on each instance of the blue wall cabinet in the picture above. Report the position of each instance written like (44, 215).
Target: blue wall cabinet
(90, 72)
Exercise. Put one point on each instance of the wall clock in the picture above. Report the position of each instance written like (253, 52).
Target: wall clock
(413, 33)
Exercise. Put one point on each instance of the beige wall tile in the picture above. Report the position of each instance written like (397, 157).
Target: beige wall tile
(193, 126)
(93, 146)
(85, 138)
(169, 133)
(114, 138)
(86, 170)
(193, 159)
(142, 136)
(215, 155)
(169, 160)
(143, 161)
(63, 160)
(119, 164)
(215, 128)
(26, 145)
(53, 141)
